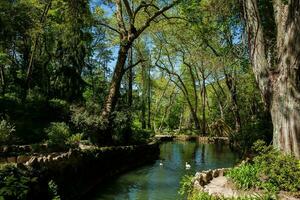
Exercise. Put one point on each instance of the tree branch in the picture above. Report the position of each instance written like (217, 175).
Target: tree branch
(109, 27)
(155, 15)
(128, 9)
(119, 14)
(133, 65)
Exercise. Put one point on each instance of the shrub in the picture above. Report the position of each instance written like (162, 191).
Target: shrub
(15, 183)
(206, 196)
(86, 121)
(186, 185)
(58, 134)
(60, 108)
(245, 176)
(140, 136)
(279, 171)
(6, 132)
(74, 140)
(270, 170)
(53, 190)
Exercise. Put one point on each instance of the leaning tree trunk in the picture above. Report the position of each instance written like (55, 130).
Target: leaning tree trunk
(112, 96)
(278, 79)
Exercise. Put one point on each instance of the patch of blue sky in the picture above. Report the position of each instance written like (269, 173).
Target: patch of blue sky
(108, 12)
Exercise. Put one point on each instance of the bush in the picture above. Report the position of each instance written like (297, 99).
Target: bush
(270, 170)
(206, 196)
(6, 132)
(15, 183)
(86, 120)
(74, 140)
(58, 134)
(250, 133)
(53, 190)
(245, 176)
(60, 108)
(186, 185)
(140, 136)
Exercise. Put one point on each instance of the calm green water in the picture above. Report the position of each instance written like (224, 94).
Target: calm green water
(155, 182)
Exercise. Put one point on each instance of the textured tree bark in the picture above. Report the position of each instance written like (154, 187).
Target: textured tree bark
(233, 93)
(279, 80)
(2, 80)
(149, 98)
(203, 104)
(285, 106)
(112, 96)
(130, 78)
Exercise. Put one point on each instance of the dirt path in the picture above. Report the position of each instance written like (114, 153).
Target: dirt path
(220, 186)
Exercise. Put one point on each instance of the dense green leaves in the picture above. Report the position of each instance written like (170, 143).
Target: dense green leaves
(270, 170)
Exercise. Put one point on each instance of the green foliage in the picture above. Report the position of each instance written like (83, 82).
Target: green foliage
(259, 129)
(186, 185)
(278, 171)
(219, 128)
(87, 119)
(58, 134)
(245, 176)
(60, 107)
(270, 170)
(74, 140)
(140, 136)
(15, 183)
(6, 132)
(206, 196)
(53, 190)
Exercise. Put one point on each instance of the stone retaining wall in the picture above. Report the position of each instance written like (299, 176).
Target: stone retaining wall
(192, 138)
(77, 172)
(203, 178)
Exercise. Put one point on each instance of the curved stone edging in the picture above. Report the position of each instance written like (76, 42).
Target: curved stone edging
(77, 172)
(202, 139)
(203, 178)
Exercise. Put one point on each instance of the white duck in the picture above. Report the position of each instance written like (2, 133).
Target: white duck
(161, 164)
(187, 165)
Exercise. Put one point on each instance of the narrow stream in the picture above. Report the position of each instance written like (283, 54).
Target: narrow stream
(155, 182)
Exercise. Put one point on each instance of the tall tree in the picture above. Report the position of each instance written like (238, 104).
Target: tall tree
(128, 30)
(273, 29)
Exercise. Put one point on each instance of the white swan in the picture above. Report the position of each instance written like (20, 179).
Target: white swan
(187, 165)
(161, 164)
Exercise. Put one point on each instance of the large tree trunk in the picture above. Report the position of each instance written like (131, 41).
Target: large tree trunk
(285, 106)
(112, 96)
(278, 79)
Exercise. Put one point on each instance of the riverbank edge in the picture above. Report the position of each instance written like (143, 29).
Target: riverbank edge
(202, 139)
(78, 172)
(204, 178)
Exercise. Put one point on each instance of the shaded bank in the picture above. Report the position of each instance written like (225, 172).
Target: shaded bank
(77, 172)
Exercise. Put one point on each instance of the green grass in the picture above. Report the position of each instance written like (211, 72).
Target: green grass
(206, 196)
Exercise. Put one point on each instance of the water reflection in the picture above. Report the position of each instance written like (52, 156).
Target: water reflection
(155, 182)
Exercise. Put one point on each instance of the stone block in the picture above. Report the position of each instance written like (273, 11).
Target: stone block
(12, 159)
(23, 159)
